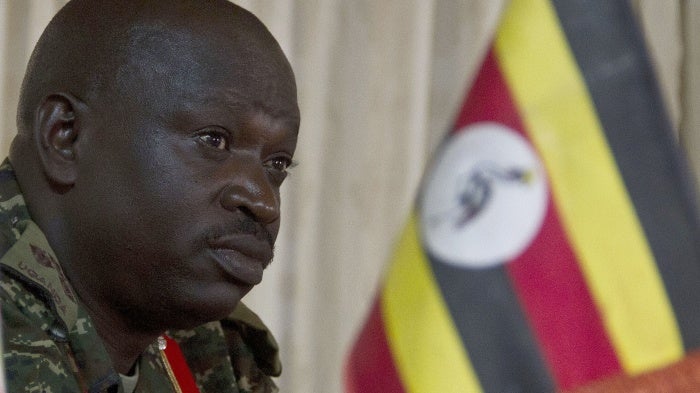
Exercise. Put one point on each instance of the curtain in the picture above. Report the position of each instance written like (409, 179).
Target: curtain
(379, 83)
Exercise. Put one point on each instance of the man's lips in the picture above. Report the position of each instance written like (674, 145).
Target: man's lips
(242, 257)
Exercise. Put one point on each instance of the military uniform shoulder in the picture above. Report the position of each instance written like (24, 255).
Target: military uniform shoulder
(30, 333)
(235, 354)
(13, 211)
(257, 336)
(253, 351)
(9, 188)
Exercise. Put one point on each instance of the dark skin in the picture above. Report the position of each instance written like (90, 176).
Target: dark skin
(158, 184)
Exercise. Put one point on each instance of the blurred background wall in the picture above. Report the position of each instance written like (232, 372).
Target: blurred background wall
(379, 83)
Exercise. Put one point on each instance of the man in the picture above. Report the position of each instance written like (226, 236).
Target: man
(141, 199)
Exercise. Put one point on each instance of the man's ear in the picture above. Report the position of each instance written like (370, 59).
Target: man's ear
(56, 132)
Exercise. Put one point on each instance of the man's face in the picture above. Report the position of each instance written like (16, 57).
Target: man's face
(177, 202)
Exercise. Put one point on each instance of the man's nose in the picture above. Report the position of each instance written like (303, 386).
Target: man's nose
(252, 192)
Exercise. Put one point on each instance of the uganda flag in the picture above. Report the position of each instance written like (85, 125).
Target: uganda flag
(555, 245)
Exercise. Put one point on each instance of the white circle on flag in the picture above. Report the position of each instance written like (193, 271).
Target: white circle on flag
(484, 199)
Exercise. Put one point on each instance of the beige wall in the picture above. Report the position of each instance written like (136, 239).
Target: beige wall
(379, 82)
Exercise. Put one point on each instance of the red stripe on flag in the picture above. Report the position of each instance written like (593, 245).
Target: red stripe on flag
(370, 368)
(554, 294)
(489, 99)
(547, 277)
(179, 366)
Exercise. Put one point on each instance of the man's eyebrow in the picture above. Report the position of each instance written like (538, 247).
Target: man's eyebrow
(289, 116)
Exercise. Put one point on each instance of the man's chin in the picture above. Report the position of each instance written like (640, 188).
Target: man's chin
(210, 309)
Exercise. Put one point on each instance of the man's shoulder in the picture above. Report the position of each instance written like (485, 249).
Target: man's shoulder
(253, 351)
(236, 351)
(33, 359)
(15, 296)
(12, 207)
(256, 336)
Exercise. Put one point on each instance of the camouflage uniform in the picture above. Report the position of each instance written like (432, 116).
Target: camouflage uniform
(50, 344)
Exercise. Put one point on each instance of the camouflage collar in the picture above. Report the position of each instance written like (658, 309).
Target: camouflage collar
(26, 253)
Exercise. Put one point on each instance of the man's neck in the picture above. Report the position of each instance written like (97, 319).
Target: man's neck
(123, 344)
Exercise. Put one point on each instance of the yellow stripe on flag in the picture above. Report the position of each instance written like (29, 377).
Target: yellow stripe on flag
(592, 200)
(427, 349)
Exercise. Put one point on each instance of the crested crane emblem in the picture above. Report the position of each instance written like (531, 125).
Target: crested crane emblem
(485, 197)
(475, 189)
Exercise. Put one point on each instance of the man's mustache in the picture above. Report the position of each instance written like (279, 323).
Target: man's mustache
(245, 226)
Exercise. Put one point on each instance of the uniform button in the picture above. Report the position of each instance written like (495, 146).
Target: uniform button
(58, 333)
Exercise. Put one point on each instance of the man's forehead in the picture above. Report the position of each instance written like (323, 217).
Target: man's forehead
(192, 68)
(236, 109)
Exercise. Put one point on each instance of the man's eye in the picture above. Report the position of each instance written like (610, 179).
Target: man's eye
(280, 164)
(215, 140)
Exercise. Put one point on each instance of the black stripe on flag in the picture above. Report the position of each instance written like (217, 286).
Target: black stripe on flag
(487, 314)
(620, 79)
